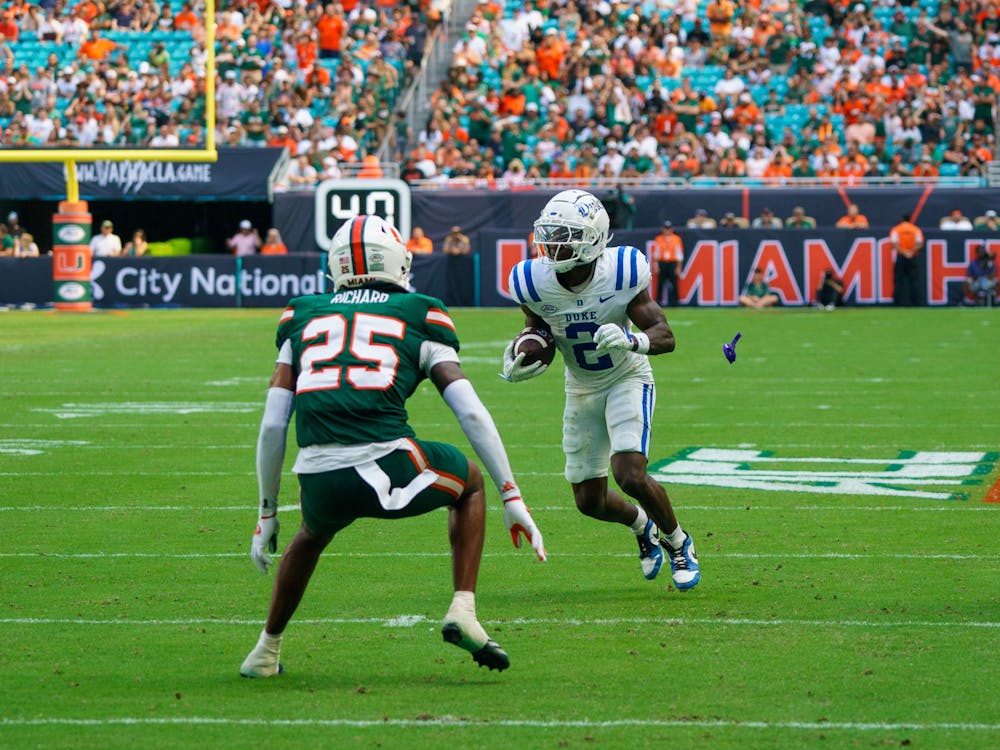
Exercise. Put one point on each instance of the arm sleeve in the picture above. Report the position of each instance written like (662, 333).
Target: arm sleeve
(271, 443)
(479, 428)
(433, 353)
(285, 353)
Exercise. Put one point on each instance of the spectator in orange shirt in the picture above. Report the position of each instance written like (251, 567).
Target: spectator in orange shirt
(273, 244)
(732, 165)
(745, 113)
(560, 124)
(489, 10)
(370, 167)
(87, 10)
(226, 28)
(720, 18)
(330, 27)
(926, 167)
(907, 242)
(95, 48)
(9, 30)
(305, 51)
(281, 139)
(419, 243)
(853, 219)
(853, 163)
(560, 170)
(550, 54)
(777, 169)
(668, 254)
(914, 79)
(512, 102)
(684, 164)
(186, 19)
(318, 76)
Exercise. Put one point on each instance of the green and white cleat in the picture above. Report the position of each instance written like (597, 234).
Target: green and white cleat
(470, 636)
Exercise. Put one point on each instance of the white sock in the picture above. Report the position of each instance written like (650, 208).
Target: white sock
(639, 524)
(676, 538)
(270, 642)
(463, 604)
(463, 612)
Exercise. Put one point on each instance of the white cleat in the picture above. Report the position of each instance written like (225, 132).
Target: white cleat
(684, 564)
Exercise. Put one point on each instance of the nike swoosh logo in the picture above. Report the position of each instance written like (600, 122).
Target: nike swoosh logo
(605, 299)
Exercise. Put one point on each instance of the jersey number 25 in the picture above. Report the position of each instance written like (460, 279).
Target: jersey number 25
(334, 333)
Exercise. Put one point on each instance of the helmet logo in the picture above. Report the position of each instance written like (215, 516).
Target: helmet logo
(376, 262)
(587, 209)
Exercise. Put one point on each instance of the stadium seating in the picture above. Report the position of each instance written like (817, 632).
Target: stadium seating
(134, 47)
(704, 77)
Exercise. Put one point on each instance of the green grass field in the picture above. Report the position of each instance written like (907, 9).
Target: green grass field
(850, 595)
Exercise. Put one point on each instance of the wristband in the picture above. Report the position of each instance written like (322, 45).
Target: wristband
(640, 343)
(510, 492)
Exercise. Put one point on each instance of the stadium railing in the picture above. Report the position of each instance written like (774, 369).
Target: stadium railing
(499, 183)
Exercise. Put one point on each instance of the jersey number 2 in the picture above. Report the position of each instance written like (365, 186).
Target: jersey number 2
(586, 351)
(334, 333)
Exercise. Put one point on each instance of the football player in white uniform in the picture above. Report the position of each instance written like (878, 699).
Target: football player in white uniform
(589, 295)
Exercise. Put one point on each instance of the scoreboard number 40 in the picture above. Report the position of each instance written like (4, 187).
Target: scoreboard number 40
(338, 201)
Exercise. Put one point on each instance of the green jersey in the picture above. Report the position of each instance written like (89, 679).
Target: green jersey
(357, 357)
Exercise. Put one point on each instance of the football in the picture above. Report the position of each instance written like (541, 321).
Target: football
(537, 345)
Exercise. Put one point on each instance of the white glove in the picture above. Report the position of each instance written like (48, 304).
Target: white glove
(514, 371)
(610, 337)
(519, 521)
(265, 537)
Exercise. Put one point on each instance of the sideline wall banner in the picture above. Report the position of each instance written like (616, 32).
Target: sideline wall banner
(26, 280)
(435, 211)
(717, 264)
(243, 174)
(217, 280)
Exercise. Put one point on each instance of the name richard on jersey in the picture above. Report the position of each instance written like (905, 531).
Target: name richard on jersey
(358, 296)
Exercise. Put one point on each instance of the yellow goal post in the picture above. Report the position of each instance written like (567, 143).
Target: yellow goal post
(70, 156)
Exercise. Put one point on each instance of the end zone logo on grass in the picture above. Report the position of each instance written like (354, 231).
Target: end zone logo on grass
(933, 475)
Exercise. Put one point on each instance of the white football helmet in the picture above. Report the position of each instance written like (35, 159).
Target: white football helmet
(572, 229)
(366, 249)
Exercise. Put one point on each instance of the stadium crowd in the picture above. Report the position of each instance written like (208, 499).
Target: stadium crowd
(594, 92)
(319, 79)
(585, 91)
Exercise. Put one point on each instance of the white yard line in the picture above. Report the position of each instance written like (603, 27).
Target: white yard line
(409, 621)
(463, 723)
(953, 506)
(603, 555)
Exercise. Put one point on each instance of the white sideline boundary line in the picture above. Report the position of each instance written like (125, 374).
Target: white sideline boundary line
(602, 555)
(962, 506)
(129, 473)
(409, 621)
(251, 473)
(459, 723)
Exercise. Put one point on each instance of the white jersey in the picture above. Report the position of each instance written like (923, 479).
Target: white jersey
(619, 275)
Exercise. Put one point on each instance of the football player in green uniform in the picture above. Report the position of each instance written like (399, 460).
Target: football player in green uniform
(347, 363)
